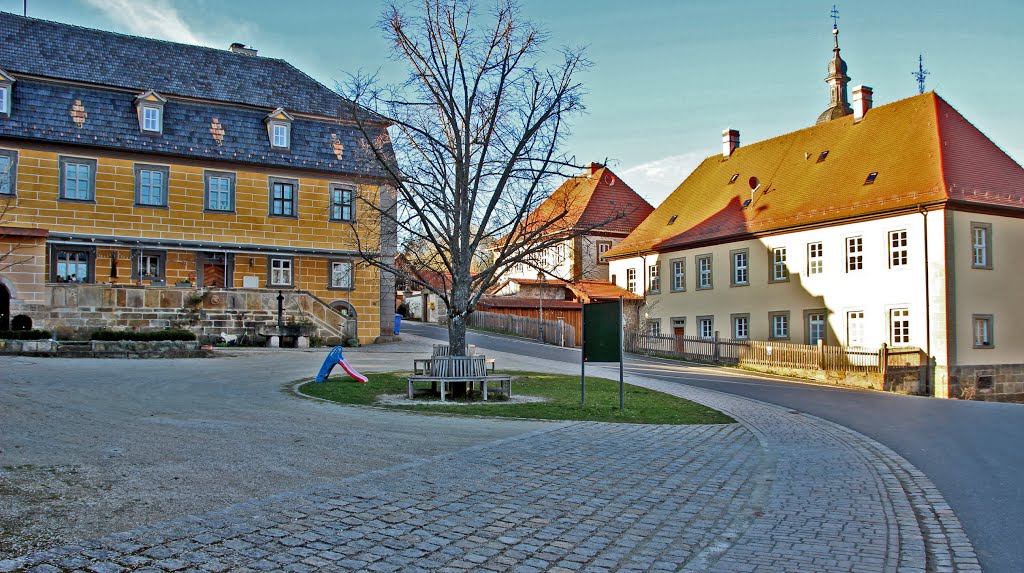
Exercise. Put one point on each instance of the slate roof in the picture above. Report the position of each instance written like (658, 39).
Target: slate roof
(62, 51)
(922, 149)
(40, 111)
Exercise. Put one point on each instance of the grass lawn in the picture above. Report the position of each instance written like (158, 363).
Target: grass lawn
(562, 394)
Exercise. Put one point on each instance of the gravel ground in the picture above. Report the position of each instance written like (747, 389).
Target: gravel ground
(89, 447)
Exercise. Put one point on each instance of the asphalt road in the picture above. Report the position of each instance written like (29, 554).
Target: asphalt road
(972, 451)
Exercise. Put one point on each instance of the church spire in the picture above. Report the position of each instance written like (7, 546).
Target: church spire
(837, 79)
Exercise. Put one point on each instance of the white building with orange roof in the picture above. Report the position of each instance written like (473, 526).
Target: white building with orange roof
(596, 210)
(897, 225)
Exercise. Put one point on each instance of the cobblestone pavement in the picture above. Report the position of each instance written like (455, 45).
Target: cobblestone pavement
(780, 491)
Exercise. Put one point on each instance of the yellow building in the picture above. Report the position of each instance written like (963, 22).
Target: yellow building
(894, 225)
(149, 184)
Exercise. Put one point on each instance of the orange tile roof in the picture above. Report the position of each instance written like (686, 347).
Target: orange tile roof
(593, 291)
(922, 149)
(597, 198)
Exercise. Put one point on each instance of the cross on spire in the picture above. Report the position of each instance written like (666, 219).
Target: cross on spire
(835, 17)
(920, 74)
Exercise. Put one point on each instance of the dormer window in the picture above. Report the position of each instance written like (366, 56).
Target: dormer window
(279, 129)
(152, 118)
(150, 107)
(6, 83)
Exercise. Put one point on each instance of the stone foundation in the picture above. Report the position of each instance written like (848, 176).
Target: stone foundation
(73, 312)
(992, 382)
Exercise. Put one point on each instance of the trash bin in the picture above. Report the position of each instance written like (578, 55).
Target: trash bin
(398, 324)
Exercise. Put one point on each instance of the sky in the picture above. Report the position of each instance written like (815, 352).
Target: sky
(667, 76)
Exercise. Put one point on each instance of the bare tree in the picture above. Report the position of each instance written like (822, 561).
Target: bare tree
(473, 146)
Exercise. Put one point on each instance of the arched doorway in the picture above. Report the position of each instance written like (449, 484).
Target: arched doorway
(349, 328)
(5, 308)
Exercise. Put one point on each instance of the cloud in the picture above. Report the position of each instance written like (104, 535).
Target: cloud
(152, 18)
(655, 180)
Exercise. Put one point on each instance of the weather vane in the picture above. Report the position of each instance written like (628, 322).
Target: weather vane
(835, 17)
(920, 74)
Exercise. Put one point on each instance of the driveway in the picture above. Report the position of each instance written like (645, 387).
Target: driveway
(212, 465)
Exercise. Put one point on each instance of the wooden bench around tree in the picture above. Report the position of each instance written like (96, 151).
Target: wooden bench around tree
(445, 370)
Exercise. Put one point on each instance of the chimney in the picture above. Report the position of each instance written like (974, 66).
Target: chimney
(861, 102)
(239, 48)
(593, 168)
(730, 142)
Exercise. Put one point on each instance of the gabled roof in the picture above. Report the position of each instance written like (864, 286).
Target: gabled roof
(922, 150)
(598, 198)
(597, 291)
(62, 51)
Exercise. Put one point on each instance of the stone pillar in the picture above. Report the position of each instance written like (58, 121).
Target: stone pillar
(302, 342)
(273, 341)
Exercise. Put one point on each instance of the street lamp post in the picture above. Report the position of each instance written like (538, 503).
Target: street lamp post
(540, 290)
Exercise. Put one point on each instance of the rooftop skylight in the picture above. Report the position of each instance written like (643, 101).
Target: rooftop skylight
(871, 178)
(823, 155)
(734, 177)
(672, 219)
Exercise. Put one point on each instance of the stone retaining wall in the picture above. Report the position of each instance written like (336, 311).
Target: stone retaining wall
(989, 382)
(28, 347)
(75, 311)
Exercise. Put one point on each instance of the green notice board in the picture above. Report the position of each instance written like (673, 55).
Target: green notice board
(601, 332)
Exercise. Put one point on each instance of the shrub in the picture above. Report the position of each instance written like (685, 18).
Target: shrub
(146, 336)
(25, 334)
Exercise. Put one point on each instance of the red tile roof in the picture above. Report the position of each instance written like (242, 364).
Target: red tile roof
(597, 200)
(923, 151)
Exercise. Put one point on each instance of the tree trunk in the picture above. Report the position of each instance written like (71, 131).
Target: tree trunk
(456, 334)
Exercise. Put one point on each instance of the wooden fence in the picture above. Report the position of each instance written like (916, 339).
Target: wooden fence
(556, 332)
(780, 355)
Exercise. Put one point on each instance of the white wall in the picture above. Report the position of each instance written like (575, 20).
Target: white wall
(876, 290)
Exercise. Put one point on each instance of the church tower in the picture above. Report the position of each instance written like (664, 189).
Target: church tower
(836, 80)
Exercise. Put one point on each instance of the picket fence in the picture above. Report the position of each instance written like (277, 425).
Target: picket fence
(556, 332)
(773, 354)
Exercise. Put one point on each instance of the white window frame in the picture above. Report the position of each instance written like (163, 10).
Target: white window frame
(741, 326)
(678, 275)
(705, 268)
(855, 328)
(280, 135)
(706, 327)
(983, 331)
(631, 280)
(779, 324)
(334, 285)
(899, 252)
(899, 326)
(981, 245)
(654, 277)
(5, 99)
(152, 123)
(780, 268)
(817, 320)
(854, 254)
(281, 269)
(815, 258)
(654, 326)
(741, 267)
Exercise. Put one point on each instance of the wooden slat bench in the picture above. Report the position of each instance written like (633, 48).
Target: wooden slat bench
(444, 370)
